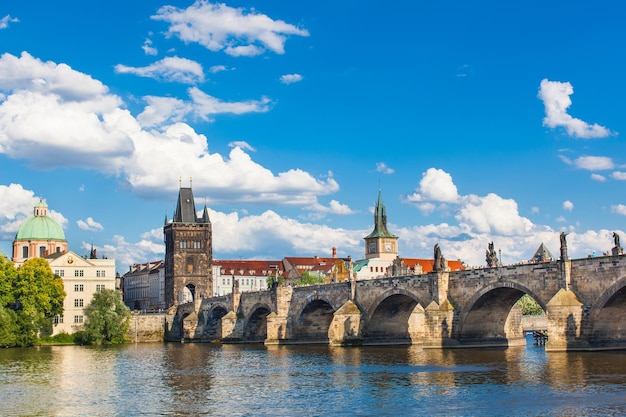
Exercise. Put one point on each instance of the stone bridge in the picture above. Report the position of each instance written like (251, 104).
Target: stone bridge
(584, 301)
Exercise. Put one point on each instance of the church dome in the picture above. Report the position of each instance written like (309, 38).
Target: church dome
(40, 226)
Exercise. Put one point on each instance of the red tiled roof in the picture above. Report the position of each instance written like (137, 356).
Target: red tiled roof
(427, 264)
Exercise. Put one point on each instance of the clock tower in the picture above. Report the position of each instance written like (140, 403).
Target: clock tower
(381, 243)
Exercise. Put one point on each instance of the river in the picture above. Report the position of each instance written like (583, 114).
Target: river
(248, 380)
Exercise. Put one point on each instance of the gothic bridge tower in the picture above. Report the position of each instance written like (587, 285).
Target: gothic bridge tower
(188, 252)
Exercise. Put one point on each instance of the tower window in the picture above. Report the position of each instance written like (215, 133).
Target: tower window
(25, 252)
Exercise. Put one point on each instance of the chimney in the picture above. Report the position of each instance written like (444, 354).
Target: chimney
(334, 252)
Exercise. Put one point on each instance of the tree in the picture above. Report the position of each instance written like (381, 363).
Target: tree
(38, 295)
(107, 319)
(7, 277)
(308, 278)
(529, 306)
(8, 327)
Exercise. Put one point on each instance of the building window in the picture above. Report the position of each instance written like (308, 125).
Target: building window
(58, 319)
(190, 264)
(99, 287)
(197, 245)
(183, 244)
(79, 287)
(78, 319)
(59, 272)
(25, 252)
(42, 251)
(100, 273)
(78, 302)
(79, 272)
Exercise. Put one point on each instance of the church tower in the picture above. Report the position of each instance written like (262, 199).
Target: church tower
(188, 252)
(381, 243)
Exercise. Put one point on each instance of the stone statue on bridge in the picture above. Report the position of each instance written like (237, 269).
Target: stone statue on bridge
(563, 246)
(490, 255)
(617, 249)
(440, 261)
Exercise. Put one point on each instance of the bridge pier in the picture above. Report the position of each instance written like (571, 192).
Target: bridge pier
(565, 322)
(276, 329)
(232, 328)
(346, 327)
(439, 321)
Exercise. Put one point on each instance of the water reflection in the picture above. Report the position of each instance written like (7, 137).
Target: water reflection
(204, 379)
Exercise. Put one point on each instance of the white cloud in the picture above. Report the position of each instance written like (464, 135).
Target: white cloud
(4, 22)
(598, 177)
(534, 210)
(171, 68)
(147, 249)
(594, 163)
(435, 186)
(619, 209)
(619, 175)
(217, 68)
(90, 225)
(382, 167)
(242, 144)
(492, 214)
(148, 49)
(568, 206)
(54, 116)
(236, 31)
(556, 100)
(290, 78)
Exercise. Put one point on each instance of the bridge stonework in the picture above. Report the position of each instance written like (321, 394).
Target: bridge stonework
(584, 301)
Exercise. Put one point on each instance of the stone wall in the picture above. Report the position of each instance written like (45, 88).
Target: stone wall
(147, 328)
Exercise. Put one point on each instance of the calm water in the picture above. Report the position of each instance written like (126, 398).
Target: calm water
(203, 379)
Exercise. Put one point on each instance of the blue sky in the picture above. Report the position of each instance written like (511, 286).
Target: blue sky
(480, 121)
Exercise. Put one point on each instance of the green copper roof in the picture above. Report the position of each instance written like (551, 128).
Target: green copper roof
(40, 226)
(380, 220)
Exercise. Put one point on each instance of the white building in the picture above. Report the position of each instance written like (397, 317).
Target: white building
(82, 278)
(144, 286)
(249, 275)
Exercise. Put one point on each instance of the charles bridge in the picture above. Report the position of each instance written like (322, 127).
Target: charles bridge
(584, 301)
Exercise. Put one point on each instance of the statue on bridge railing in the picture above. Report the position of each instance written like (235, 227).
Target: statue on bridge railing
(563, 246)
(617, 249)
(440, 261)
(490, 256)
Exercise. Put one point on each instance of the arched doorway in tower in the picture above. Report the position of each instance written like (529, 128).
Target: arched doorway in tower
(188, 294)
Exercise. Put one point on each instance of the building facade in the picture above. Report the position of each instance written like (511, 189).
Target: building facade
(144, 286)
(246, 275)
(82, 278)
(188, 252)
(38, 236)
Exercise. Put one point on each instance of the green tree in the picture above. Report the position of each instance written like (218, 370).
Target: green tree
(7, 277)
(278, 279)
(529, 306)
(38, 296)
(308, 278)
(107, 319)
(8, 327)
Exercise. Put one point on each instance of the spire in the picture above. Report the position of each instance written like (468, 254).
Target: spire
(205, 215)
(185, 207)
(380, 219)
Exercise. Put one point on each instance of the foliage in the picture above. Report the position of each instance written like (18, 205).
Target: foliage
(8, 327)
(308, 278)
(29, 297)
(529, 306)
(58, 339)
(278, 279)
(7, 277)
(107, 319)
(38, 296)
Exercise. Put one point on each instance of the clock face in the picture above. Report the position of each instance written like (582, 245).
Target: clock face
(372, 247)
(388, 247)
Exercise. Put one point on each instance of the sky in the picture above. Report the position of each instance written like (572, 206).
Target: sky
(478, 121)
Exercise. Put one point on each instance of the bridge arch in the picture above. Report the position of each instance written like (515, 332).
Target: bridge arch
(255, 329)
(213, 321)
(608, 319)
(489, 316)
(312, 322)
(395, 317)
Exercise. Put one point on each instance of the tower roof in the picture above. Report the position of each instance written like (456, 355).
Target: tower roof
(40, 226)
(186, 209)
(380, 220)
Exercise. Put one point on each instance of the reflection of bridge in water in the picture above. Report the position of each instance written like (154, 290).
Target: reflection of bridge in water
(584, 301)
